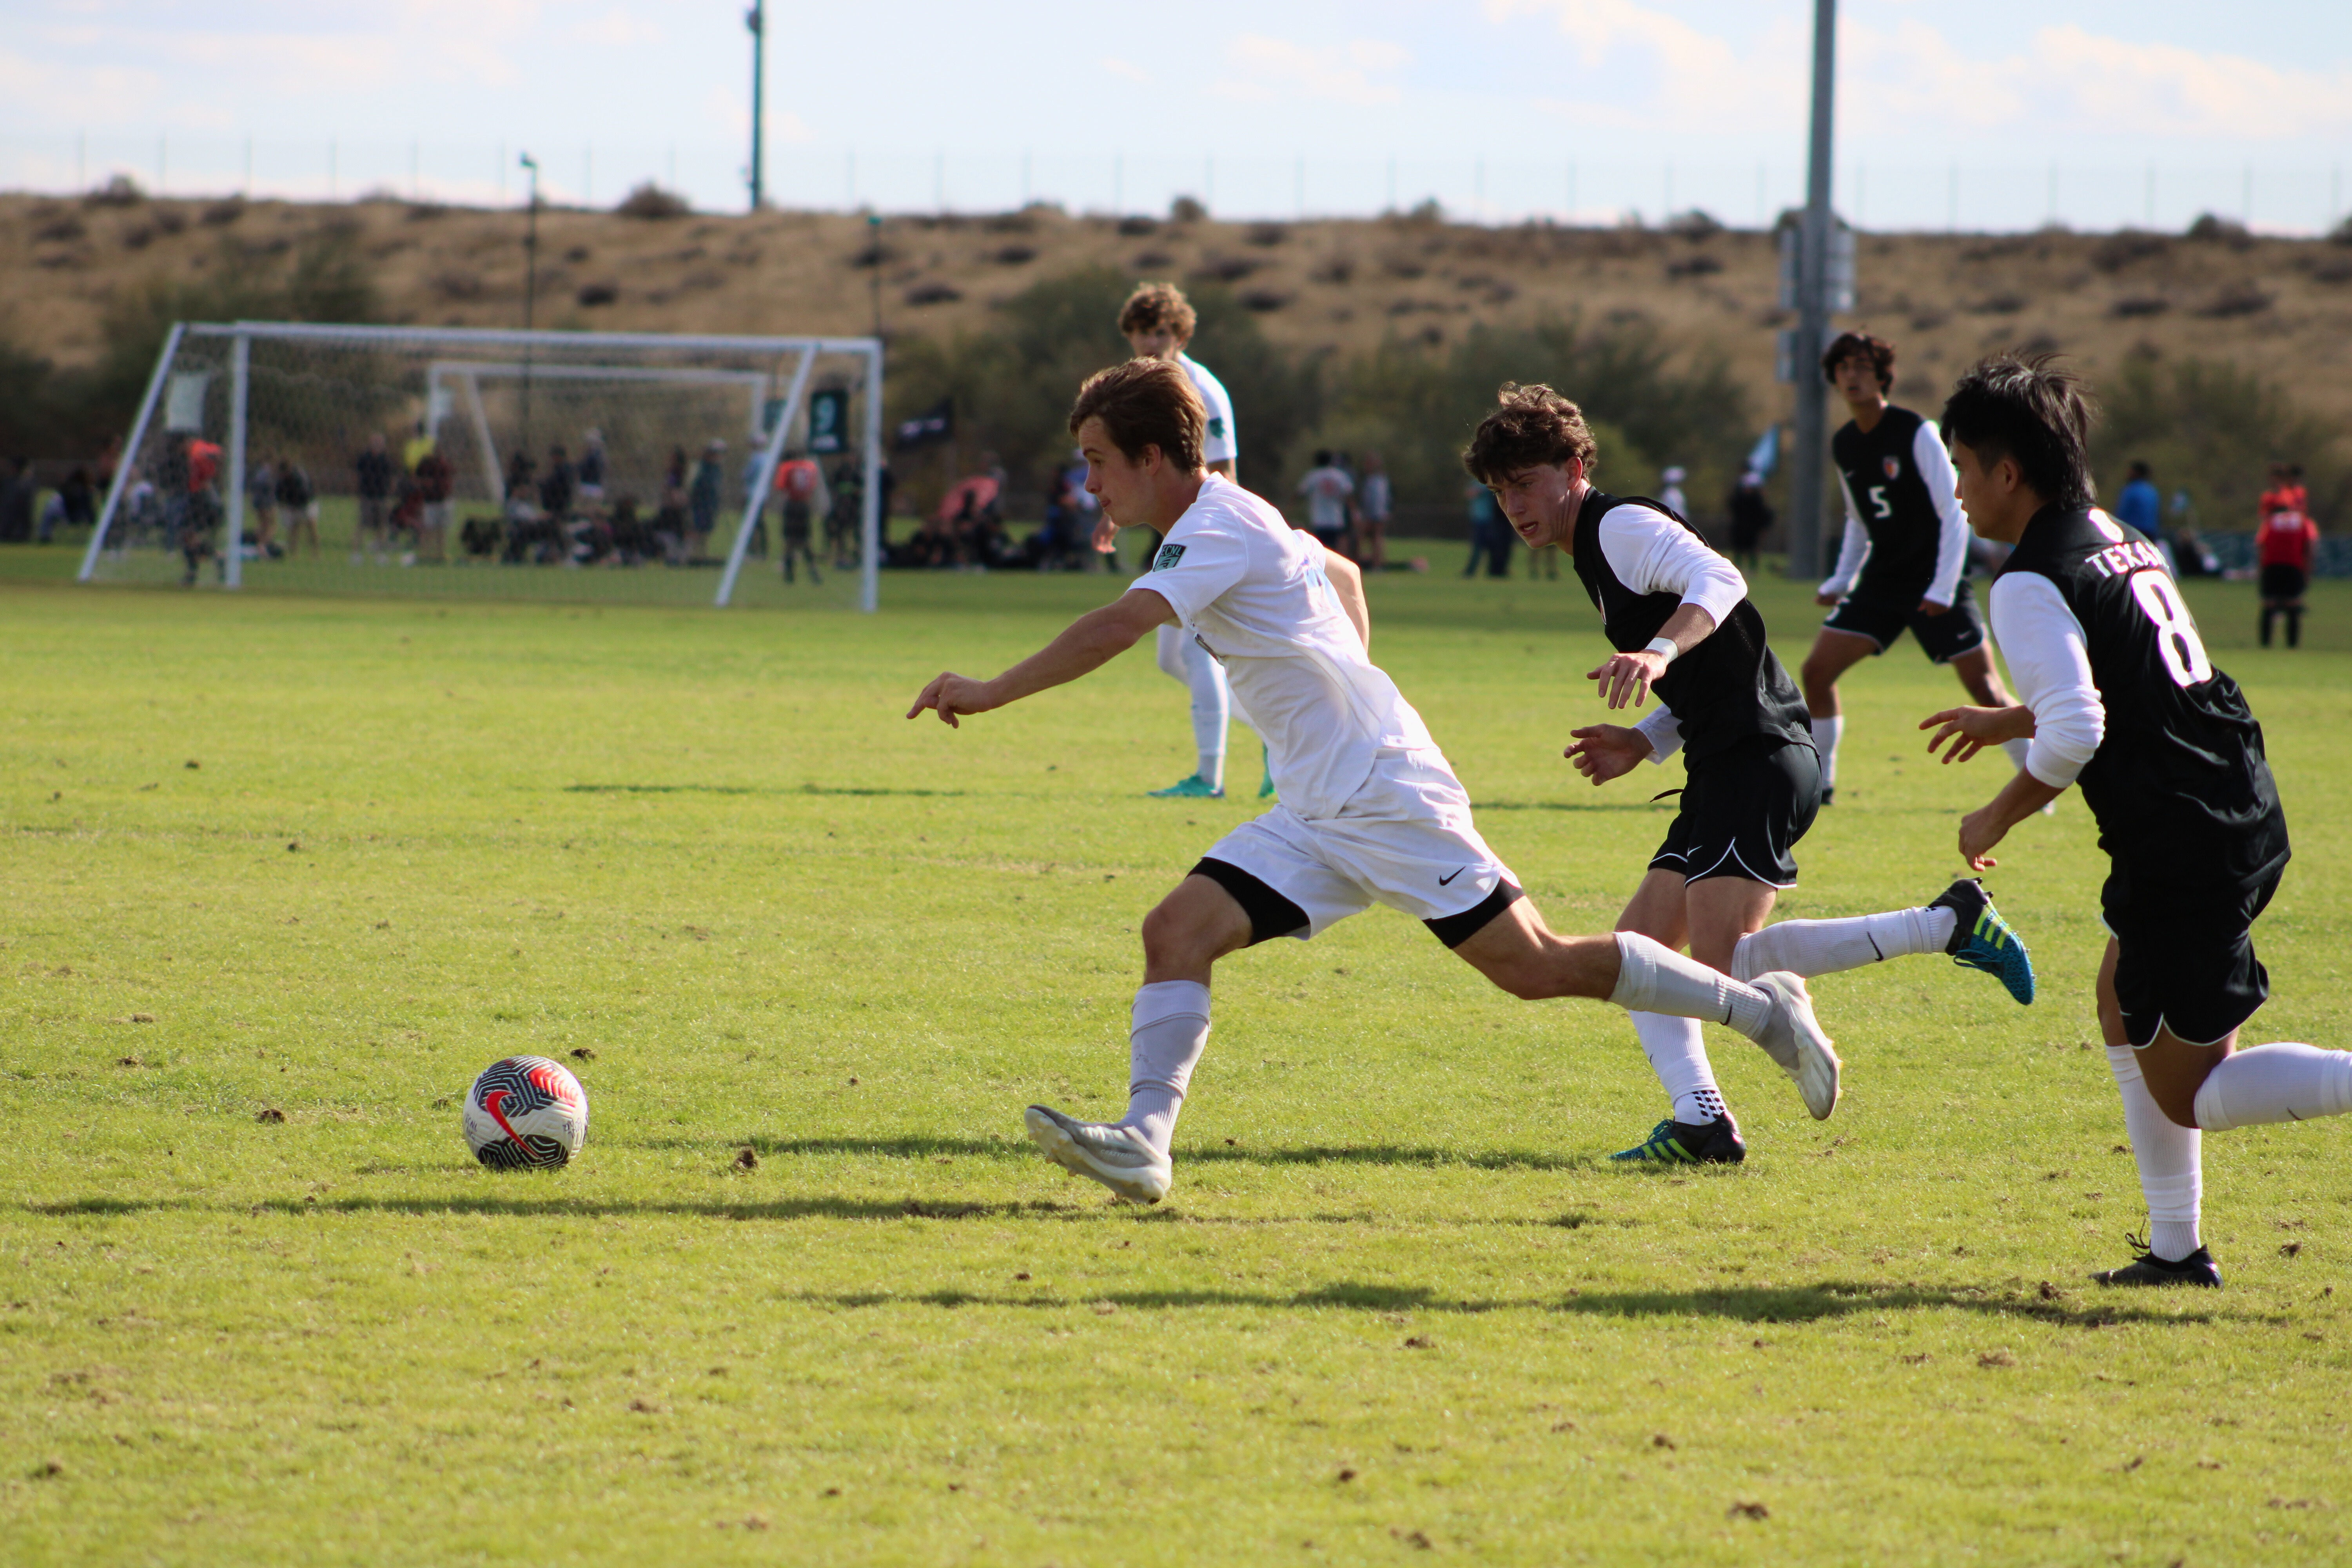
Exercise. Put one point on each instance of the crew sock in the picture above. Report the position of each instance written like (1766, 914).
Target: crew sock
(1654, 978)
(1679, 1058)
(2282, 1083)
(1169, 1029)
(1211, 704)
(2295, 628)
(2171, 1173)
(1826, 947)
(2269, 616)
(1825, 740)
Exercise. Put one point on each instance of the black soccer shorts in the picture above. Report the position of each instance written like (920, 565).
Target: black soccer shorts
(2184, 957)
(2281, 580)
(1743, 810)
(1943, 638)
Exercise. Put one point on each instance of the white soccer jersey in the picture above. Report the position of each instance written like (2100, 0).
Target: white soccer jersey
(1220, 447)
(1252, 588)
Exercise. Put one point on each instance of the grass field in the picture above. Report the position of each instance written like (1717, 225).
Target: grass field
(332, 857)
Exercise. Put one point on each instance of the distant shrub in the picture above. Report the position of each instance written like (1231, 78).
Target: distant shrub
(2212, 429)
(122, 191)
(650, 201)
(1186, 209)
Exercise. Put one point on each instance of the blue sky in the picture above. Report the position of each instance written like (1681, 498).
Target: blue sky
(1998, 114)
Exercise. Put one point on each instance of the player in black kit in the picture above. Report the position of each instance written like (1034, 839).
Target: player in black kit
(2120, 696)
(1679, 617)
(1904, 563)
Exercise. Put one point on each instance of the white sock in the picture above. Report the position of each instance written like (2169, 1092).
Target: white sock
(2282, 1082)
(1654, 978)
(1826, 947)
(1211, 701)
(1169, 1029)
(2171, 1170)
(1825, 740)
(2017, 750)
(1679, 1058)
(1168, 651)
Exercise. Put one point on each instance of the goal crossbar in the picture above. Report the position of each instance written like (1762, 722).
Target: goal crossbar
(468, 371)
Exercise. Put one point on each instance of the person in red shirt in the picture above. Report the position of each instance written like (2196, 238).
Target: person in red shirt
(204, 514)
(2284, 543)
(802, 483)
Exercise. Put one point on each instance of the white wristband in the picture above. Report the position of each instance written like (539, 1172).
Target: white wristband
(1664, 647)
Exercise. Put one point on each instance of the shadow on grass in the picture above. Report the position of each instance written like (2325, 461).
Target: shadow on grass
(919, 1147)
(524, 1206)
(744, 789)
(1827, 1302)
(1478, 806)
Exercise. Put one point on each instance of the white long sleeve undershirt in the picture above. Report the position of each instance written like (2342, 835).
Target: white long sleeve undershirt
(1652, 553)
(1664, 731)
(2050, 661)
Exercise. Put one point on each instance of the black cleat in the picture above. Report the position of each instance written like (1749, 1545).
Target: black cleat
(2147, 1268)
(1673, 1142)
(1829, 794)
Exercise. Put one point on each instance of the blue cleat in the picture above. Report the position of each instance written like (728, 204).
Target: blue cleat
(1673, 1142)
(1192, 788)
(1982, 939)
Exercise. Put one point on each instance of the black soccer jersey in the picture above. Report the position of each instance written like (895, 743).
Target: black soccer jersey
(1726, 688)
(2179, 774)
(1887, 471)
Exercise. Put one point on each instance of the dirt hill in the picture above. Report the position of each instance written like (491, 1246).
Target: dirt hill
(2280, 308)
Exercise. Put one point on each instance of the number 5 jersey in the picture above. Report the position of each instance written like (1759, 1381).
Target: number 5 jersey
(2127, 704)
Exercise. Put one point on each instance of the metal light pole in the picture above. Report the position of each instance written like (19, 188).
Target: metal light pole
(529, 290)
(1805, 467)
(756, 20)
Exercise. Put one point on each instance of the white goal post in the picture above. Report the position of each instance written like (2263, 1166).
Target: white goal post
(226, 397)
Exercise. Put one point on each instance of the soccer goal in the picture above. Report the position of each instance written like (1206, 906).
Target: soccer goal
(622, 467)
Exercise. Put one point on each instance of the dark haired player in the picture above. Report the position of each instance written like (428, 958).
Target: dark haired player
(2283, 545)
(1370, 811)
(1904, 563)
(2120, 697)
(1680, 617)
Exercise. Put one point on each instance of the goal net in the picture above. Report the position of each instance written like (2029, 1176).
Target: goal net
(621, 467)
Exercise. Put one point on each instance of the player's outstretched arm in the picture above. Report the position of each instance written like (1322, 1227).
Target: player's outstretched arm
(1604, 752)
(1088, 643)
(1628, 676)
(1971, 730)
(1348, 581)
(1988, 823)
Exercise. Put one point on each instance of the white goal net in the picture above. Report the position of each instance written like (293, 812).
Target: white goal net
(435, 462)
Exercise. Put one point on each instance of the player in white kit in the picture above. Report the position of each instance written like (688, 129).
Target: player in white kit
(1370, 810)
(1157, 321)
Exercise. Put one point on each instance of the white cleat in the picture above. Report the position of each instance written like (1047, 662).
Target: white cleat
(1117, 1157)
(1792, 1038)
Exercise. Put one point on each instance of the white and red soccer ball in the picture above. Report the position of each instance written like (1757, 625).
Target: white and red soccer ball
(524, 1113)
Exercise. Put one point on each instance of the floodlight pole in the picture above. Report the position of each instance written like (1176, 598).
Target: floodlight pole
(756, 20)
(530, 299)
(1806, 464)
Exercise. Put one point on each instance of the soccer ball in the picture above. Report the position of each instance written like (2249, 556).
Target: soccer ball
(526, 1113)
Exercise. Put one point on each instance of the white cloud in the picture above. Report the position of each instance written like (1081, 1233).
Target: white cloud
(1273, 68)
(1910, 74)
(616, 28)
(1700, 79)
(1128, 69)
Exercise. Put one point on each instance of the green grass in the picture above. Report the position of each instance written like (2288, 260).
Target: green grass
(343, 854)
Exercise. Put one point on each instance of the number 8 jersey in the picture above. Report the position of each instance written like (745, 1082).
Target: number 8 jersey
(2126, 704)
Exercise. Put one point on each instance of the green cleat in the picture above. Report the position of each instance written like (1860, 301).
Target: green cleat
(1193, 788)
(1265, 783)
(1673, 1142)
(1982, 939)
